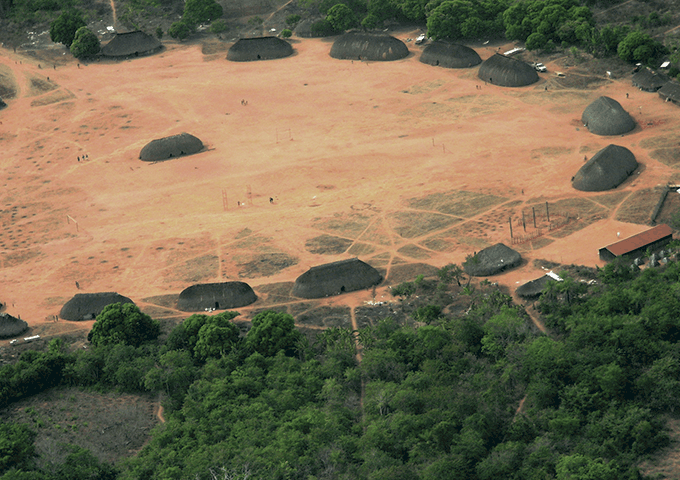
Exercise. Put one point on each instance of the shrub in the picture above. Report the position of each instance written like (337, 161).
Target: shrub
(292, 20)
(286, 33)
(85, 44)
(218, 26)
(322, 28)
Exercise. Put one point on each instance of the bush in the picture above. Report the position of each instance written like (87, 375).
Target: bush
(286, 33)
(322, 28)
(85, 44)
(255, 21)
(123, 323)
(179, 31)
(218, 26)
(159, 33)
(292, 20)
(63, 29)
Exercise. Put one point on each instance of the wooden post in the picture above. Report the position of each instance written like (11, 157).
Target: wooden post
(523, 222)
(533, 210)
(510, 222)
(547, 211)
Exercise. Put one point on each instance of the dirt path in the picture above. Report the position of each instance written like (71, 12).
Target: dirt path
(113, 13)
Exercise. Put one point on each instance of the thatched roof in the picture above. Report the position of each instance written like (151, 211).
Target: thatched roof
(2, 104)
(259, 48)
(86, 306)
(11, 326)
(375, 47)
(492, 260)
(648, 81)
(216, 295)
(534, 288)
(304, 28)
(449, 55)
(336, 278)
(606, 116)
(131, 43)
(608, 168)
(507, 71)
(670, 92)
(170, 147)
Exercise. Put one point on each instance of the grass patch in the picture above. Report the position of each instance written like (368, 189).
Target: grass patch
(361, 249)
(414, 251)
(461, 203)
(54, 97)
(610, 200)
(638, 207)
(264, 265)
(8, 84)
(327, 245)
(416, 224)
(348, 225)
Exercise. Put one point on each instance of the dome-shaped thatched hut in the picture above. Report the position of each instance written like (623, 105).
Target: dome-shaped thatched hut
(534, 288)
(336, 278)
(606, 116)
(215, 295)
(170, 147)
(648, 81)
(259, 48)
(507, 72)
(492, 260)
(449, 55)
(2, 104)
(375, 47)
(86, 306)
(608, 168)
(11, 326)
(131, 44)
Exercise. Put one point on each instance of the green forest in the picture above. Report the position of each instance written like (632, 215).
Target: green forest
(481, 394)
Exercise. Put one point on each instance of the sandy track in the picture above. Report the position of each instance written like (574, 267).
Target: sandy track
(341, 146)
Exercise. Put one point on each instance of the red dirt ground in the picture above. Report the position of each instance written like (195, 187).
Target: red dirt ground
(341, 146)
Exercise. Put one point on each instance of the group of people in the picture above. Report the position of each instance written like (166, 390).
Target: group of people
(244, 102)
(84, 157)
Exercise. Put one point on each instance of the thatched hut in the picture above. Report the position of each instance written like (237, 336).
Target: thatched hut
(336, 278)
(2, 104)
(375, 47)
(534, 288)
(304, 28)
(670, 92)
(608, 168)
(449, 55)
(507, 71)
(215, 295)
(11, 326)
(606, 116)
(259, 48)
(492, 260)
(170, 147)
(648, 81)
(86, 306)
(131, 44)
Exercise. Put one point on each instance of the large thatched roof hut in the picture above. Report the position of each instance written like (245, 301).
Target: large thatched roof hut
(449, 55)
(170, 147)
(86, 306)
(336, 278)
(375, 47)
(492, 260)
(608, 168)
(131, 44)
(11, 326)
(670, 92)
(606, 116)
(648, 81)
(507, 71)
(259, 48)
(534, 288)
(215, 295)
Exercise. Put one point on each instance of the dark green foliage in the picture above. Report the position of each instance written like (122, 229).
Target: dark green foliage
(322, 28)
(180, 30)
(159, 33)
(201, 11)
(286, 33)
(341, 17)
(640, 47)
(123, 323)
(80, 464)
(458, 19)
(16, 446)
(85, 44)
(64, 28)
(271, 333)
(293, 19)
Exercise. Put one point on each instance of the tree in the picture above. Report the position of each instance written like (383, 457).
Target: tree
(85, 44)
(123, 323)
(341, 17)
(272, 332)
(446, 20)
(159, 32)
(64, 28)
(180, 30)
(536, 41)
(640, 47)
(451, 272)
(216, 337)
(201, 11)
(16, 446)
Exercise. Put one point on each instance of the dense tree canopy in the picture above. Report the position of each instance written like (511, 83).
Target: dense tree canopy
(85, 44)
(64, 28)
(123, 323)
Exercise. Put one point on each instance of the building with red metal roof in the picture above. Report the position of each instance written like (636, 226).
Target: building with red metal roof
(652, 239)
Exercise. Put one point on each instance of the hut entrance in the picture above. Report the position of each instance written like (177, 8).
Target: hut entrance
(259, 58)
(342, 289)
(217, 305)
